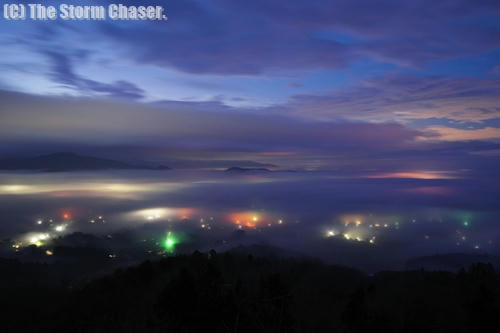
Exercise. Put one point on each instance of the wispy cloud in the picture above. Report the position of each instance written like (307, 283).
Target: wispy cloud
(62, 72)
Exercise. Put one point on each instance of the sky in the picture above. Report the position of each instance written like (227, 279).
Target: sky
(399, 89)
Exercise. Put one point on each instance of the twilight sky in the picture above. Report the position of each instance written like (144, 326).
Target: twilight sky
(368, 88)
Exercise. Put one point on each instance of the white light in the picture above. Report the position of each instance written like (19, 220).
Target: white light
(43, 236)
(39, 222)
(60, 228)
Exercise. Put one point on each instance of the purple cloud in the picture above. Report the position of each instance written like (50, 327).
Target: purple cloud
(62, 72)
(237, 37)
(403, 97)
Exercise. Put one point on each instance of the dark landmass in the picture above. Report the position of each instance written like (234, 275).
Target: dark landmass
(451, 262)
(238, 169)
(242, 292)
(216, 164)
(68, 162)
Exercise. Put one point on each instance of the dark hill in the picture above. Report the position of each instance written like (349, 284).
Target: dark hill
(231, 292)
(451, 262)
(67, 162)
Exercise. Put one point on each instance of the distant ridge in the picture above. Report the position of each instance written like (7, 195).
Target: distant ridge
(451, 261)
(238, 169)
(65, 161)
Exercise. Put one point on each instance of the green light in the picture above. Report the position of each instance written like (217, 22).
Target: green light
(170, 242)
(466, 223)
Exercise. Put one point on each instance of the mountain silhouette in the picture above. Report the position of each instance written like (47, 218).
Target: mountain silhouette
(66, 161)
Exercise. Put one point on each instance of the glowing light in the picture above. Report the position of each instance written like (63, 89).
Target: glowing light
(248, 218)
(466, 223)
(170, 242)
(158, 213)
(280, 222)
(330, 233)
(66, 216)
(60, 228)
(14, 189)
(49, 253)
(35, 240)
(347, 236)
(418, 174)
(39, 222)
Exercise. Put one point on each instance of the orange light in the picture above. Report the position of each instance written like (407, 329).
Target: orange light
(185, 212)
(420, 174)
(66, 216)
(247, 218)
